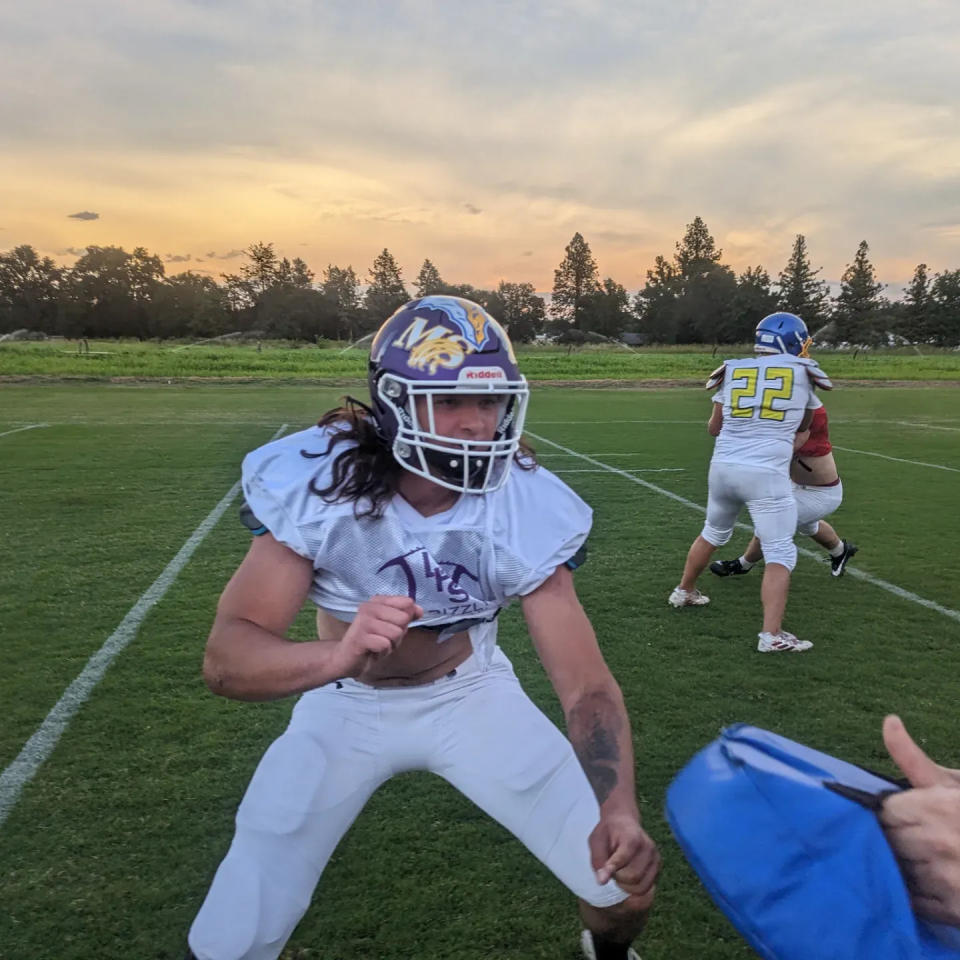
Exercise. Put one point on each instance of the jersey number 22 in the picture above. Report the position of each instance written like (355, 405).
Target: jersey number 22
(767, 389)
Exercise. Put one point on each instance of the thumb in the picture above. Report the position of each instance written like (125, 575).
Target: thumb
(603, 854)
(915, 765)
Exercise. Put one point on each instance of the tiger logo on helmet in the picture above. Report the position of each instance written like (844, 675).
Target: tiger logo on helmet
(441, 345)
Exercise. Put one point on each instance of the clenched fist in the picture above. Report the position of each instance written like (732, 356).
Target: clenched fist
(377, 629)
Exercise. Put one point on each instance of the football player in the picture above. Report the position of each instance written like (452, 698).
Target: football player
(410, 524)
(760, 405)
(818, 492)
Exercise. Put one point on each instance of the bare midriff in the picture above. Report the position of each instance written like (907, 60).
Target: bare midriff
(814, 471)
(417, 659)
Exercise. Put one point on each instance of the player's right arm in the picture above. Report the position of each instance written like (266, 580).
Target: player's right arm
(715, 423)
(248, 656)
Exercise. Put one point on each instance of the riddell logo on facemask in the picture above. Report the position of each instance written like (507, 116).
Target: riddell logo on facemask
(482, 373)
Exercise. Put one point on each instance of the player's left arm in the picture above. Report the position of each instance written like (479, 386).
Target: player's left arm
(598, 727)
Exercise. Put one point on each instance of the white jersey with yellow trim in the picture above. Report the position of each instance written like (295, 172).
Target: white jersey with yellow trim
(764, 399)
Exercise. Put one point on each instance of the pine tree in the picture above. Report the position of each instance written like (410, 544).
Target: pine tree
(429, 282)
(754, 301)
(386, 291)
(657, 304)
(859, 304)
(697, 252)
(917, 304)
(800, 291)
(707, 287)
(944, 325)
(573, 281)
(341, 289)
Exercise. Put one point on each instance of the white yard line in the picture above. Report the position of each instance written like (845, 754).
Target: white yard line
(32, 426)
(638, 470)
(546, 423)
(928, 426)
(36, 750)
(883, 456)
(818, 556)
(636, 453)
(190, 421)
(859, 421)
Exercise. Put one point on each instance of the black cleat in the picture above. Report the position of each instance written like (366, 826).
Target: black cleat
(839, 564)
(728, 568)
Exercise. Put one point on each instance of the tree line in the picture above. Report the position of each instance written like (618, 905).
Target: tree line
(691, 297)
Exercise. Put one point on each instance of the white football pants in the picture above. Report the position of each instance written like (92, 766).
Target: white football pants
(766, 494)
(477, 729)
(815, 503)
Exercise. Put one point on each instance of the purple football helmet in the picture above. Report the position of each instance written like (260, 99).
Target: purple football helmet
(441, 345)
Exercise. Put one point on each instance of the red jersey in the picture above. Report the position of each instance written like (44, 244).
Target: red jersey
(818, 444)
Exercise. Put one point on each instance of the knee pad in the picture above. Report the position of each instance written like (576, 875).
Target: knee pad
(808, 529)
(714, 536)
(783, 552)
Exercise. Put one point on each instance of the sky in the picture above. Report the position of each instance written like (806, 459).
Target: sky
(483, 135)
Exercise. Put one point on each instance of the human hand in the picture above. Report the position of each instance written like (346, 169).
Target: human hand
(620, 849)
(923, 827)
(377, 629)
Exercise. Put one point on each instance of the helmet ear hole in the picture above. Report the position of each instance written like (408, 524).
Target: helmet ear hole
(391, 387)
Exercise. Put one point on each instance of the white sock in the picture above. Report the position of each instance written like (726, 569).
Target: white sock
(745, 563)
(837, 550)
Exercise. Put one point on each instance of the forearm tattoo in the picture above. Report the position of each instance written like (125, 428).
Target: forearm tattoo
(594, 725)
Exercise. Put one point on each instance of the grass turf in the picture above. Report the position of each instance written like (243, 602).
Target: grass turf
(110, 848)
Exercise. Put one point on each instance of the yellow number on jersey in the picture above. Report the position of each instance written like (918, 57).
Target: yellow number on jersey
(783, 392)
(749, 392)
(749, 374)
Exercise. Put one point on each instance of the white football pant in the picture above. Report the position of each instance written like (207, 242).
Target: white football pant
(815, 503)
(767, 495)
(477, 729)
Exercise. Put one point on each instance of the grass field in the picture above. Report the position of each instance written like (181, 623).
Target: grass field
(108, 850)
(301, 361)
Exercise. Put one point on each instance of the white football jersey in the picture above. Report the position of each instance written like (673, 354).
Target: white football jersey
(764, 399)
(460, 565)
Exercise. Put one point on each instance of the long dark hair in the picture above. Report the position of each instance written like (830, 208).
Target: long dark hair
(366, 473)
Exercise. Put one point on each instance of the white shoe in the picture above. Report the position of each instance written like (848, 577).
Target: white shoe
(586, 946)
(781, 642)
(687, 598)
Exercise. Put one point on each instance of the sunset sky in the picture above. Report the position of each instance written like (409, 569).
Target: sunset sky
(483, 135)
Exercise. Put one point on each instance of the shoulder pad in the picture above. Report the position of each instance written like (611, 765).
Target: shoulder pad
(578, 559)
(249, 520)
(715, 378)
(817, 377)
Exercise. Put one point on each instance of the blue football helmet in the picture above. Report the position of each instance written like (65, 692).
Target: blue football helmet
(782, 333)
(440, 345)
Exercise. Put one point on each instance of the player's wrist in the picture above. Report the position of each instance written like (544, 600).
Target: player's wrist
(620, 804)
(329, 661)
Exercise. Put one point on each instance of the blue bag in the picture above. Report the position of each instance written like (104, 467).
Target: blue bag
(787, 843)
